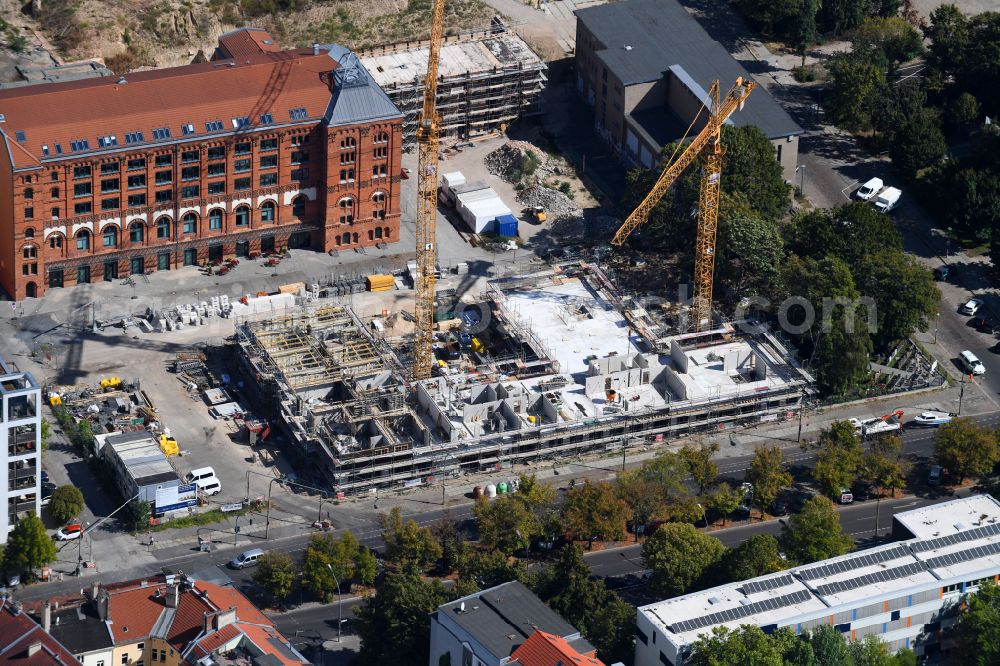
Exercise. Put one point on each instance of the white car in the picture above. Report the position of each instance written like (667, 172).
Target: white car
(933, 419)
(971, 306)
(869, 189)
(69, 532)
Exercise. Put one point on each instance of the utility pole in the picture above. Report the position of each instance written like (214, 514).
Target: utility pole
(802, 408)
(961, 395)
(878, 501)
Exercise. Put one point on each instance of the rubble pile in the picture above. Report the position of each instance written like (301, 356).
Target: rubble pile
(553, 202)
(506, 161)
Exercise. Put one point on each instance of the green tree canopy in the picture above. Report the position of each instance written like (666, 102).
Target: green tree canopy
(838, 461)
(593, 512)
(276, 572)
(965, 448)
(723, 500)
(849, 232)
(855, 86)
(487, 568)
(701, 466)
(948, 33)
(66, 503)
(29, 546)
(977, 636)
(756, 556)
(814, 533)
(329, 559)
(395, 624)
(365, 567)
(678, 555)
(406, 543)
(883, 465)
(505, 524)
(920, 143)
(906, 298)
(750, 169)
(739, 647)
(768, 475)
(888, 41)
(751, 251)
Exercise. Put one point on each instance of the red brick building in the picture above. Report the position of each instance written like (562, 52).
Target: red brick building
(257, 150)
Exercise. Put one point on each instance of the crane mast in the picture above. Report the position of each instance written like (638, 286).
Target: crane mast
(708, 145)
(428, 139)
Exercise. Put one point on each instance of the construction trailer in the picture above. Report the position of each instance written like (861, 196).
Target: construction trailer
(487, 80)
(542, 377)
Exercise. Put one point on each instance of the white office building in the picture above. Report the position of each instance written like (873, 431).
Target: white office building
(20, 446)
(904, 592)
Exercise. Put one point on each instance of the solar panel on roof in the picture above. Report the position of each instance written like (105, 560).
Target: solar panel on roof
(881, 576)
(993, 529)
(755, 586)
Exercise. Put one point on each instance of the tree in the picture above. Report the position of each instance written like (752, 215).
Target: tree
(746, 645)
(593, 512)
(751, 251)
(678, 555)
(505, 524)
(839, 16)
(894, 104)
(29, 547)
(977, 636)
(487, 568)
(66, 503)
(814, 533)
(139, 512)
(701, 467)
(806, 32)
(883, 464)
(327, 561)
(838, 461)
(600, 615)
(849, 233)
(394, 624)
(855, 83)
(276, 573)
(757, 556)
(870, 651)
(981, 60)
(85, 437)
(765, 15)
(406, 543)
(962, 111)
(538, 498)
(768, 476)
(723, 500)
(829, 647)
(948, 33)
(919, 143)
(365, 567)
(906, 298)
(45, 434)
(888, 41)
(751, 170)
(965, 448)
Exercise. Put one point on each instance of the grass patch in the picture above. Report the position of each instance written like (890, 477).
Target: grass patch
(198, 519)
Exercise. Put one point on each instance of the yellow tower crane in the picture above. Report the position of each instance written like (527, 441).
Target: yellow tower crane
(707, 144)
(428, 139)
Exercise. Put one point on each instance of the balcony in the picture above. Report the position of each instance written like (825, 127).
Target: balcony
(19, 505)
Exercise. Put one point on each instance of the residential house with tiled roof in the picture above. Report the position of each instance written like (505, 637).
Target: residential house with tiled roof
(545, 649)
(175, 620)
(78, 627)
(258, 150)
(23, 642)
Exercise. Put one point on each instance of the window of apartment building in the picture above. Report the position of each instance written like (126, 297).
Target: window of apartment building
(217, 187)
(54, 176)
(84, 208)
(217, 153)
(137, 164)
(268, 161)
(242, 216)
(164, 177)
(242, 148)
(190, 156)
(298, 175)
(83, 240)
(81, 172)
(379, 171)
(241, 166)
(217, 169)
(137, 181)
(30, 252)
(267, 210)
(109, 168)
(347, 158)
(298, 140)
(381, 137)
(348, 143)
(55, 242)
(215, 219)
(268, 179)
(164, 160)
(190, 222)
(136, 200)
(82, 190)
(29, 269)
(190, 173)
(164, 196)
(110, 236)
(55, 211)
(299, 156)
(163, 228)
(190, 191)
(29, 193)
(54, 193)
(29, 213)
(110, 185)
(136, 232)
(241, 184)
(110, 204)
(381, 152)
(268, 144)
(347, 175)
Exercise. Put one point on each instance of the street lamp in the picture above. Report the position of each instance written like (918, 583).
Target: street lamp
(90, 528)
(340, 601)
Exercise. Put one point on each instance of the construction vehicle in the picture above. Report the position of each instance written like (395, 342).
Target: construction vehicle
(428, 139)
(537, 214)
(706, 144)
(890, 424)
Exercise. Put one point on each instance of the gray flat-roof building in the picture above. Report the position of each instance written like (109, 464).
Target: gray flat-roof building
(486, 627)
(904, 593)
(140, 466)
(644, 68)
(20, 445)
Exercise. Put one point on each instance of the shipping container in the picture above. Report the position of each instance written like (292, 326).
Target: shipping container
(507, 226)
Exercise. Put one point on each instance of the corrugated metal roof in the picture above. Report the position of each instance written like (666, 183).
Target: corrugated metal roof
(645, 38)
(356, 97)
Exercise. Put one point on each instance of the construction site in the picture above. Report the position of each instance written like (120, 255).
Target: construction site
(556, 363)
(486, 80)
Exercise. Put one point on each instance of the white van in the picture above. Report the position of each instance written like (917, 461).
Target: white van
(972, 363)
(888, 199)
(210, 486)
(247, 558)
(196, 475)
(869, 189)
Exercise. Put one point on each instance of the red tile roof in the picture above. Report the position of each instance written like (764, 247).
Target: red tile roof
(216, 640)
(246, 41)
(544, 649)
(134, 610)
(24, 643)
(263, 82)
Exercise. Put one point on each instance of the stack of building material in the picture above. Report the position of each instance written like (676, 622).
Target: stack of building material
(380, 282)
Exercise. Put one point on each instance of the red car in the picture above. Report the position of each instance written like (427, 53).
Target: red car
(70, 532)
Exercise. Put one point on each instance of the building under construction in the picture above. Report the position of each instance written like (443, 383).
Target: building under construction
(556, 363)
(487, 80)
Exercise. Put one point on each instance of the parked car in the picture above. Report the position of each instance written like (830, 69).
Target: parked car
(45, 476)
(869, 189)
(779, 508)
(983, 324)
(971, 306)
(934, 476)
(70, 532)
(862, 492)
(846, 496)
(941, 273)
(47, 490)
